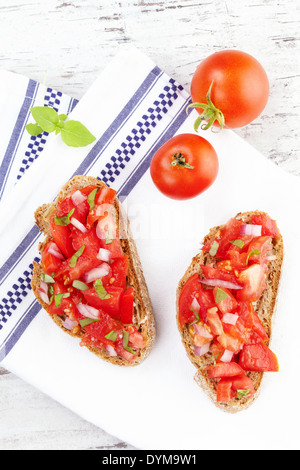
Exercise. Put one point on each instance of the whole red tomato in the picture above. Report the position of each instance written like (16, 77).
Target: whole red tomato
(184, 166)
(232, 87)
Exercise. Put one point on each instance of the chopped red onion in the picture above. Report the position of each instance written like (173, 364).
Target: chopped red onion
(78, 197)
(78, 225)
(230, 318)
(201, 331)
(69, 324)
(111, 350)
(55, 251)
(97, 273)
(104, 255)
(251, 229)
(220, 283)
(44, 297)
(44, 287)
(88, 311)
(226, 356)
(195, 305)
(201, 350)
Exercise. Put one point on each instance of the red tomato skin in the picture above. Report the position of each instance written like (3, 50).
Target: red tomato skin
(126, 308)
(50, 262)
(191, 289)
(184, 183)
(258, 358)
(224, 393)
(240, 86)
(110, 306)
(224, 369)
(119, 269)
(62, 237)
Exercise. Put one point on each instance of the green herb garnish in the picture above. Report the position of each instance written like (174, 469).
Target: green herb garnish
(65, 220)
(91, 198)
(73, 133)
(242, 393)
(253, 252)
(76, 255)
(80, 285)
(220, 295)
(125, 342)
(112, 335)
(46, 278)
(88, 321)
(100, 289)
(58, 298)
(109, 236)
(196, 315)
(213, 248)
(239, 243)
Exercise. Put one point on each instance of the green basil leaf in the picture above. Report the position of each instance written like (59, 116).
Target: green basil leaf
(112, 335)
(80, 285)
(91, 198)
(242, 393)
(196, 315)
(239, 243)
(214, 248)
(58, 298)
(125, 342)
(76, 134)
(88, 321)
(99, 288)
(76, 255)
(220, 295)
(62, 117)
(253, 252)
(65, 220)
(109, 236)
(46, 278)
(34, 129)
(46, 117)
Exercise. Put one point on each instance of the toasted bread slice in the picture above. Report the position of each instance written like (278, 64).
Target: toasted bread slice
(265, 308)
(143, 317)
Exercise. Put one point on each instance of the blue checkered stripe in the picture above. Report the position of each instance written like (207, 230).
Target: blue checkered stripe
(16, 294)
(37, 143)
(138, 134)
(112, 169)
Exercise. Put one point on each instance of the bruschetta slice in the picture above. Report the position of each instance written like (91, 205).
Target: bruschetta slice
(90, 279)
(225, 305)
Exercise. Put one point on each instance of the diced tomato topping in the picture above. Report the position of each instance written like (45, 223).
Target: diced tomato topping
(254, 282)
(215, 273)
(50, 263)
(89, 240)
(227, 312)
(62, 237)
(221, 370)
(259, 358)
(229, 303)
(119, 269)
(194, 290)
(269, 226)
(224, 392)
(110, 305)
(214, 321)
(126, 307)
(110, 295)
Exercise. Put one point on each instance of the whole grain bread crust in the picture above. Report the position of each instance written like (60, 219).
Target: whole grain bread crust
(265, 308)
(143, 317)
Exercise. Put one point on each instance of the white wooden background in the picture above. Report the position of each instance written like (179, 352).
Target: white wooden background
(72, 41)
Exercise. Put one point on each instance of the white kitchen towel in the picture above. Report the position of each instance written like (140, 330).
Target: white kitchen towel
(132, 109)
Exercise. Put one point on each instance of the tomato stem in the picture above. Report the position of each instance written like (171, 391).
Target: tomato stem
(179, 160)
(210, 113)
